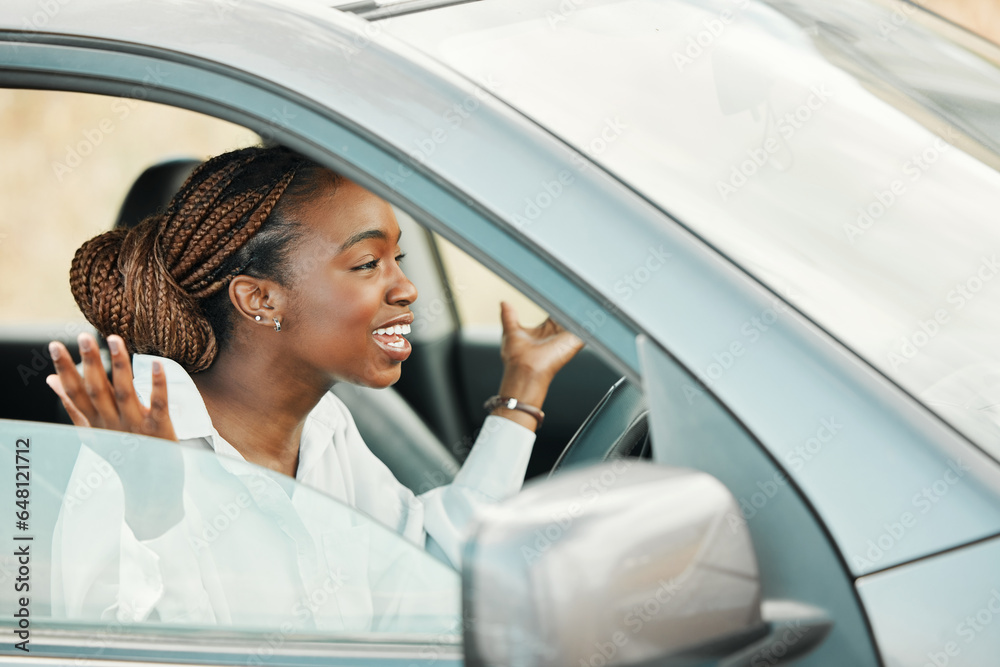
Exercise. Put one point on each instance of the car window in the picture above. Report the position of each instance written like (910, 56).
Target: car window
(468, 280)
(247, 550)
(213, 543)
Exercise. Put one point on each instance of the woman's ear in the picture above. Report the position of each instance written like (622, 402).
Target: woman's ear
(254, 298)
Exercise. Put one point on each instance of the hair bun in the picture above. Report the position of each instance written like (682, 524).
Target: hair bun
(122, 286)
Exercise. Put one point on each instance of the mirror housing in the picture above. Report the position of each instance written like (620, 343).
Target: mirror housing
(616, 564)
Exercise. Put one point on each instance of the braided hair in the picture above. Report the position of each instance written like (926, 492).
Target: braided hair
(163, 285)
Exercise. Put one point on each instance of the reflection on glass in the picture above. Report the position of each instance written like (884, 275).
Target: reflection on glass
(133, 530)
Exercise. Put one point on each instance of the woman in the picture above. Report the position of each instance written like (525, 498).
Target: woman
(267, 280)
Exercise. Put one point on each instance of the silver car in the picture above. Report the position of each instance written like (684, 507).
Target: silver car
(775, 218)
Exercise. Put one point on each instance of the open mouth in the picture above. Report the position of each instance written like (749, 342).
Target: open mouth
(391, 340)
(392, 336)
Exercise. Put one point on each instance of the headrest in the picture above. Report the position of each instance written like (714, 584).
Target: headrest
(153, 190)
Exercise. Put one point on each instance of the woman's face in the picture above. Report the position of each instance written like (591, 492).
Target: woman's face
(347, 284)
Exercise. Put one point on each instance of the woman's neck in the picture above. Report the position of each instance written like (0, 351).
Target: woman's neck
(260, 412)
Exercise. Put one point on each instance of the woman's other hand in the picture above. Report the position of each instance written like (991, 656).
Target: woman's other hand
(92, 401)
(531, 358)
(152, 483)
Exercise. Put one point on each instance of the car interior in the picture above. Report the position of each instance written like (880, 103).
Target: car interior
(435, 409)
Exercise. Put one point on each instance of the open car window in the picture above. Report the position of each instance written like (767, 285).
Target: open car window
(212, 544)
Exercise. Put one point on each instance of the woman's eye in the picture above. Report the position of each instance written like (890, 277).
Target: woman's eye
(367, 266)
(400, 257)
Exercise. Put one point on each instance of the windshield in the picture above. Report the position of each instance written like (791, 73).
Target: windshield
(732, 118)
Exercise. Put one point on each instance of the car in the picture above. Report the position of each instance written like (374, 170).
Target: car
(771, 219)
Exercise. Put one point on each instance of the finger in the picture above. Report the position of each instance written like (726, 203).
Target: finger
(508, 317)
(558, 328)
(95, 382)
(567, 345)
(549, 327)
(78, 418)
(158, 418)
(129, 408)
(70, 382)
(570, 341)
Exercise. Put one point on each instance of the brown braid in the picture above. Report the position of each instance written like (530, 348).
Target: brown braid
(160, 285)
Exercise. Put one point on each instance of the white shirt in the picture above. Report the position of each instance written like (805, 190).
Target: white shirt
(253, 552)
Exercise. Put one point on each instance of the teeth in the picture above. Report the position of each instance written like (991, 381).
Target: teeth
(396, 343)
(396, 330)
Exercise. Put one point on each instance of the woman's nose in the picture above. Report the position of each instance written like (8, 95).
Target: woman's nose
(403, 292)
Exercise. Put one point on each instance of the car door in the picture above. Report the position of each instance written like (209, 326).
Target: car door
(258, 569)
(750, 102)
(470, 206)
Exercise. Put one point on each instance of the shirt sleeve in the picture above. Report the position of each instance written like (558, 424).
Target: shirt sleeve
(436, 520)
(493, 471)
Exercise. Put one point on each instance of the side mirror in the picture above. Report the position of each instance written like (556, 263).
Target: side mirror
(619, 564)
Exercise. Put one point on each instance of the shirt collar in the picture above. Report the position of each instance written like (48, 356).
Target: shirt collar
(191, 419)
(187, 409)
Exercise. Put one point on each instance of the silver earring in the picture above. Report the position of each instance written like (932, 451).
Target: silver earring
(277, 324)
(257, 317)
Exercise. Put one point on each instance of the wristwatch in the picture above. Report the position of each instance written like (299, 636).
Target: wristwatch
(512, 403)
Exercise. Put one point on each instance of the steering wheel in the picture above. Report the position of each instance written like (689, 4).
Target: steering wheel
(616, 428)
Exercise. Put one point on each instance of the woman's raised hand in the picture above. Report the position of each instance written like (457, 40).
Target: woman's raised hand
(92, 401)
(531, 358)
(544, 349)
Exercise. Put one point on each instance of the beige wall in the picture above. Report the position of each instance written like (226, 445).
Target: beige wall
(67, 161)
(979, 16)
